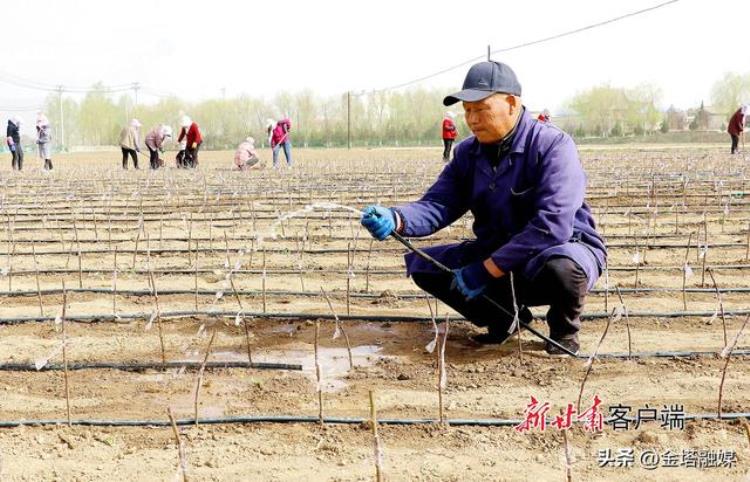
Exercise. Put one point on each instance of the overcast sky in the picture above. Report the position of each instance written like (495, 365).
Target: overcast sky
(196, 48)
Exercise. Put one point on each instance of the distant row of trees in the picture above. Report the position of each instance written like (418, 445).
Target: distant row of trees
(607, 111)
(396, 118)
(409, 117)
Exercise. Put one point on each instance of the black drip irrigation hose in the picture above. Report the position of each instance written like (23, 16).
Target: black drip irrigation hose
(290, 419)
(140, 367)
(316, 294)
(108, 317)
(662, 354)
(296, 272)
(323, 251)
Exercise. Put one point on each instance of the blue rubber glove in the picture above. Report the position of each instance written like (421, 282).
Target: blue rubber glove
(379, 221)
(471, 280)
(12, 148)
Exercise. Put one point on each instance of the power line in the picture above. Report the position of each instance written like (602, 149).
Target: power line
(35, 85)
(107, 89)
(527, 44)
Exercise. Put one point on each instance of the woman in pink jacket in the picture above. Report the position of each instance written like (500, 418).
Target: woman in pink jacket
(155, 140)
(245, 157)
(280, 140)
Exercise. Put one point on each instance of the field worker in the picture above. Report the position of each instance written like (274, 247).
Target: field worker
(524, 184)
(43, 140)
(13, 139)
(180, 157)
(130, 143)
(155, 140)
(736, 127)
(449, 134)
(544, 116)
(191, 133)
(270, 125)
(245, 157)
(280, 139)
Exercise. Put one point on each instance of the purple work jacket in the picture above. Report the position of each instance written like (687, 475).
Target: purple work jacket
(528, 209)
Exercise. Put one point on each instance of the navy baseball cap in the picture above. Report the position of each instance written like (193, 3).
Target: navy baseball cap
(485, 79)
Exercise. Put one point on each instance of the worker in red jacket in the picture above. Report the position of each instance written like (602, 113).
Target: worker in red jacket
(192, 135)
(736, 127)
(543, 116)
(449, 134)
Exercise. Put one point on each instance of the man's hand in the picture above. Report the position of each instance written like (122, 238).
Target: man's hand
(195, 145)
(379, 221)
(471, 280)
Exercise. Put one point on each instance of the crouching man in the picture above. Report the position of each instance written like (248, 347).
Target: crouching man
(524, 184)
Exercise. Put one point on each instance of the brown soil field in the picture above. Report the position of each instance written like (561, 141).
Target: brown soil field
(225, 247)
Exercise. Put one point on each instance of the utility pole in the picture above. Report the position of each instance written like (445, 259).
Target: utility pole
(489, 52)
(62, 120)
(349, 119)
(136, 87)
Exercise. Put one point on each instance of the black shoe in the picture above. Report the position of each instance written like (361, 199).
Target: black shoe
(570, 342)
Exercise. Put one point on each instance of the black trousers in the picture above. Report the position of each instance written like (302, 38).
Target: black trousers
(735, 143)
(153, 158)
(133, 155)
(561, 284)
(191, 156)
(447, 144)
(17, 159)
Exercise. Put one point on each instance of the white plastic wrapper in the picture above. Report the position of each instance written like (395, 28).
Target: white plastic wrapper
(514, 324)
(150, 322)
(430, 347)
(619, 311)
(443, 372)
(238, 319)
(636, 257)
(688, 270)
(713, 318)
(219, 295)
(42, 362)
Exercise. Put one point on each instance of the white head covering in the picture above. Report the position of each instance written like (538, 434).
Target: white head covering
(450, 114)
(250, 141)
(744, 109)
(16, 120)
(135, 123)
(545, 112)
(185, 121)
(41, 119)
(270, 122)
(167, 131)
